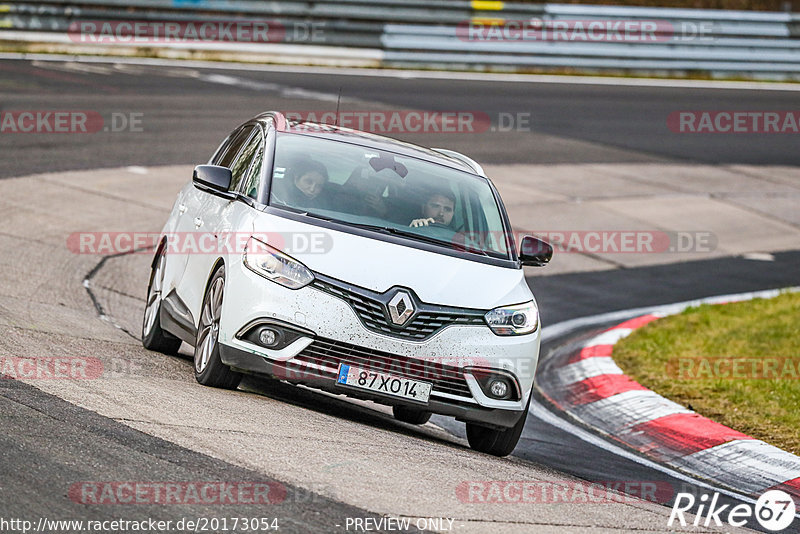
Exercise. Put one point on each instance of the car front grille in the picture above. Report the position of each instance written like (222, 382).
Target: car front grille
(329, 353)
(371, 310)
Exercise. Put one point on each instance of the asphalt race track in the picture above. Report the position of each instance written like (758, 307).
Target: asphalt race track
(571, 123)
(164, 427)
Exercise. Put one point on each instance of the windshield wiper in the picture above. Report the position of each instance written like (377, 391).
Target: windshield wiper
(396, 231)
(318, 216)
(393, 231)
(305, 213)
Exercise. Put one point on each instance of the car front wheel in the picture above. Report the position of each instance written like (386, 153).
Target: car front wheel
(494, 441)
(208, 367)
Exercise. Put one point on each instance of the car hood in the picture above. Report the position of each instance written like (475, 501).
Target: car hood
(379, 265)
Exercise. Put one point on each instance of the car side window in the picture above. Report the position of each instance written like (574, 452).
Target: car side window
(242, 163)
(253, 182)
(228, 154)
(223, 147)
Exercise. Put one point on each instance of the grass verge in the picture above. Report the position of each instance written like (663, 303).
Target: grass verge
(737, 364)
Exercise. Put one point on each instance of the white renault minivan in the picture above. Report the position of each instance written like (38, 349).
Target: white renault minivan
(356, 264)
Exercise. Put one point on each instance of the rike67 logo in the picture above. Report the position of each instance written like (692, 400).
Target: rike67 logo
(774, 511)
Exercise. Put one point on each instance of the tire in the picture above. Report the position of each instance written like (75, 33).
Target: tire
(497, 442)
(411, 416)
(153, 336)
(208, 367)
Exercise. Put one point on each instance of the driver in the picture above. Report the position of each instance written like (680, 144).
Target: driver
(437, 209)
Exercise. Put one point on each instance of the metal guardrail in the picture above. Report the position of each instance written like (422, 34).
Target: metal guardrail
(431, 32)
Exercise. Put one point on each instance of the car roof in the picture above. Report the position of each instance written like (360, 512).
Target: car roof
(366, 139)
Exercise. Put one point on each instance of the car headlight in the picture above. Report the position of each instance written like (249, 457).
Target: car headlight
(274, 265)
(514, 320)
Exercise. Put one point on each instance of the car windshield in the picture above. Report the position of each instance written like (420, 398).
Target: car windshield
(388, 193)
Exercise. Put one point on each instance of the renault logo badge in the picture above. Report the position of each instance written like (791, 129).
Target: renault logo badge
(401, 308)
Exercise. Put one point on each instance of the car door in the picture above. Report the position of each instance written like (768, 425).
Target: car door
(219, 220)
(188, 208)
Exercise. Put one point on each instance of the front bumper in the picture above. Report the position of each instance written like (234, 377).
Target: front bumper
(337, 334)
(247, 362)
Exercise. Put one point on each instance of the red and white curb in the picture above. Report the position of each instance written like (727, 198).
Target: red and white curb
(586, 384)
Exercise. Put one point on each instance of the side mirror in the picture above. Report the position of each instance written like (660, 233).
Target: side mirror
(212, 177)
(535, 252)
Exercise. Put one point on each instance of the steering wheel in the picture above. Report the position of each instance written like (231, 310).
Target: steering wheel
(444, 226)
(437, 230)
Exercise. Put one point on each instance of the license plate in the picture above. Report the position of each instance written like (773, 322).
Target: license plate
(396, 386)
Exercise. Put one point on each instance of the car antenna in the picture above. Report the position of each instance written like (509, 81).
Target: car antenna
(338, 99)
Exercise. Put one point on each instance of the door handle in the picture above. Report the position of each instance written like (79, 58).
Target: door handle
(198, 222)
(182, 209)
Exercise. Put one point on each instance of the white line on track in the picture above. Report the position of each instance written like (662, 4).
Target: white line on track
(220, 79)
(420, 74)
(544, 413)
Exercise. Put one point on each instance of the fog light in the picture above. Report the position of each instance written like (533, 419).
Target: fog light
(498, 388)
(267, 337)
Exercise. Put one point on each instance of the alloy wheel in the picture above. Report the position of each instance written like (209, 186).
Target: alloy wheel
(209, 326)
(154, 296)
